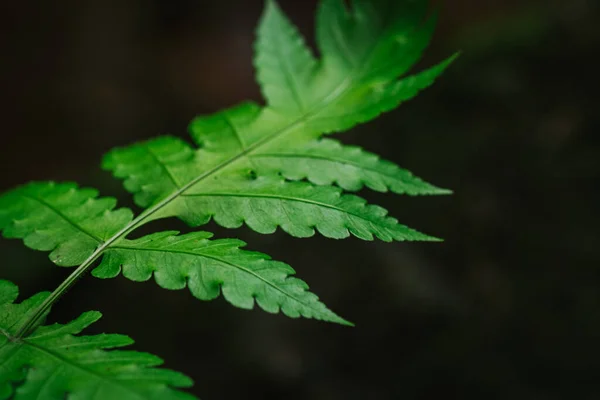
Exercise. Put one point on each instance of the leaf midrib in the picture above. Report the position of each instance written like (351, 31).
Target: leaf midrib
(63, 216)
(200, 254)
(162, 166)
(288, 198)
(331, 159)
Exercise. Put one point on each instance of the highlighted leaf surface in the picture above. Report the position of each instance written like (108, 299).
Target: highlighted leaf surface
(209, 267)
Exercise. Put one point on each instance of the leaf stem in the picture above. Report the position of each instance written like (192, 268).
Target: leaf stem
(32, 321)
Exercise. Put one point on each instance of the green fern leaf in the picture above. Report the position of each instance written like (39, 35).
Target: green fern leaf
(53, 363)
(233, 175)
(364, 50)
(327, 161)
(267, 202)
(52, 217)
(208, 267)
(245, 164)
(266, 166)
(375, 39)
(285, 66)
(61, 218)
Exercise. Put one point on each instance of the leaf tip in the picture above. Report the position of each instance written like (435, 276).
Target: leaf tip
(270, 9)
(438, 191)
(344, 322)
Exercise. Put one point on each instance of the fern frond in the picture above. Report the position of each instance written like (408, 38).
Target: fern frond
(267, 166)
(325, 162)
(209, 267)
(233, 174)
(267, 202)
(285, 65)
(373, 39)
(364, 50)
(73, 224)
(62, 218)
(244, 165)
(54, 363)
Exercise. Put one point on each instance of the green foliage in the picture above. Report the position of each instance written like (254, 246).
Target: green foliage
(61, 218)
(264, 166)
(53, 363)
(211, 266)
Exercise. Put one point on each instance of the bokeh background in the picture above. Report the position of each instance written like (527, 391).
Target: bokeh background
(506, 308)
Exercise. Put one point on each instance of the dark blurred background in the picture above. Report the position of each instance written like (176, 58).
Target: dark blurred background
(506, 308)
